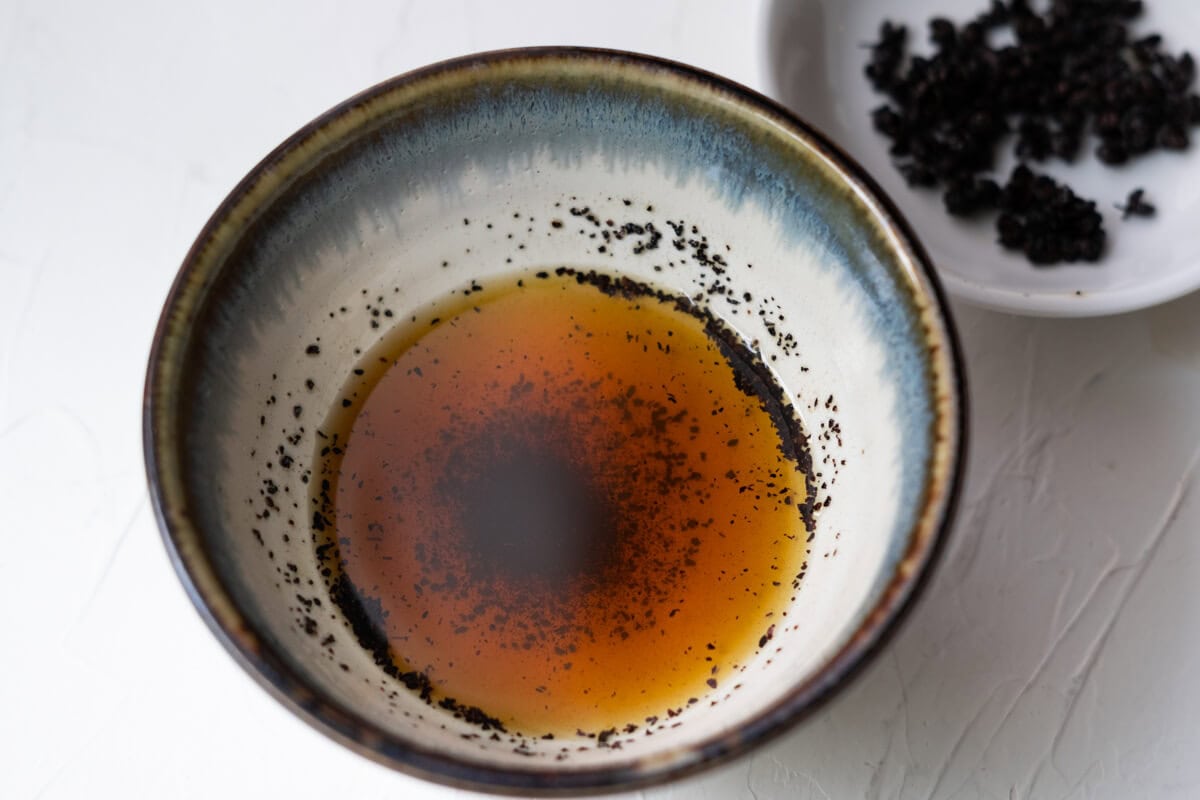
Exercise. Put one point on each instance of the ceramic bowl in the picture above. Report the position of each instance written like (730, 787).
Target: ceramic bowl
(465, 172)
(813, 60)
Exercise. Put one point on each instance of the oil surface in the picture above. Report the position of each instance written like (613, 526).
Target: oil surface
(570, 503)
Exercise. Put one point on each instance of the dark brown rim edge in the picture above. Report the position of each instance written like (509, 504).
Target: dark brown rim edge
(878, 627)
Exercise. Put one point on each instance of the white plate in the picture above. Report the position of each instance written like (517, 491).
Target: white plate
(815, 53)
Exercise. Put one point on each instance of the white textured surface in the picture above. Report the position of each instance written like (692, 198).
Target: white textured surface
(1054, 655)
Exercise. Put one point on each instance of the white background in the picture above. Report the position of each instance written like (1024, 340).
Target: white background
(1056, 653)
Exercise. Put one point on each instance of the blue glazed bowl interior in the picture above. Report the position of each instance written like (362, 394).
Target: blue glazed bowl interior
(455, 175)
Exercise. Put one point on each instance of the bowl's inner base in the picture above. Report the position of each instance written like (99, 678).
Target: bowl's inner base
(548, 483)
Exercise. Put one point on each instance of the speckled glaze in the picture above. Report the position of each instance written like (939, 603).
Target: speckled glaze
(456, 175)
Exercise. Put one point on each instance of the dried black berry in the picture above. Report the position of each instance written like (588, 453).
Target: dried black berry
(1047, 221)
(886, 55)
(1136, 205)
(967, 196)
(1112, 151)
(1033, 140)
(1074, 69)
(1174, 137)
(942, 32)
(1065, 142)
(887, 121)
(918, 174)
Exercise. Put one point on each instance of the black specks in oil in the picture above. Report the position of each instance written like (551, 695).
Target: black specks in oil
(573, 502)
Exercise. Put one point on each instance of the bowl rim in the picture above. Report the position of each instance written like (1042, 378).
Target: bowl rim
(207, 592)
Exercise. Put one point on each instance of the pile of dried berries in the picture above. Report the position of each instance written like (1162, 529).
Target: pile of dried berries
(1071, 70)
